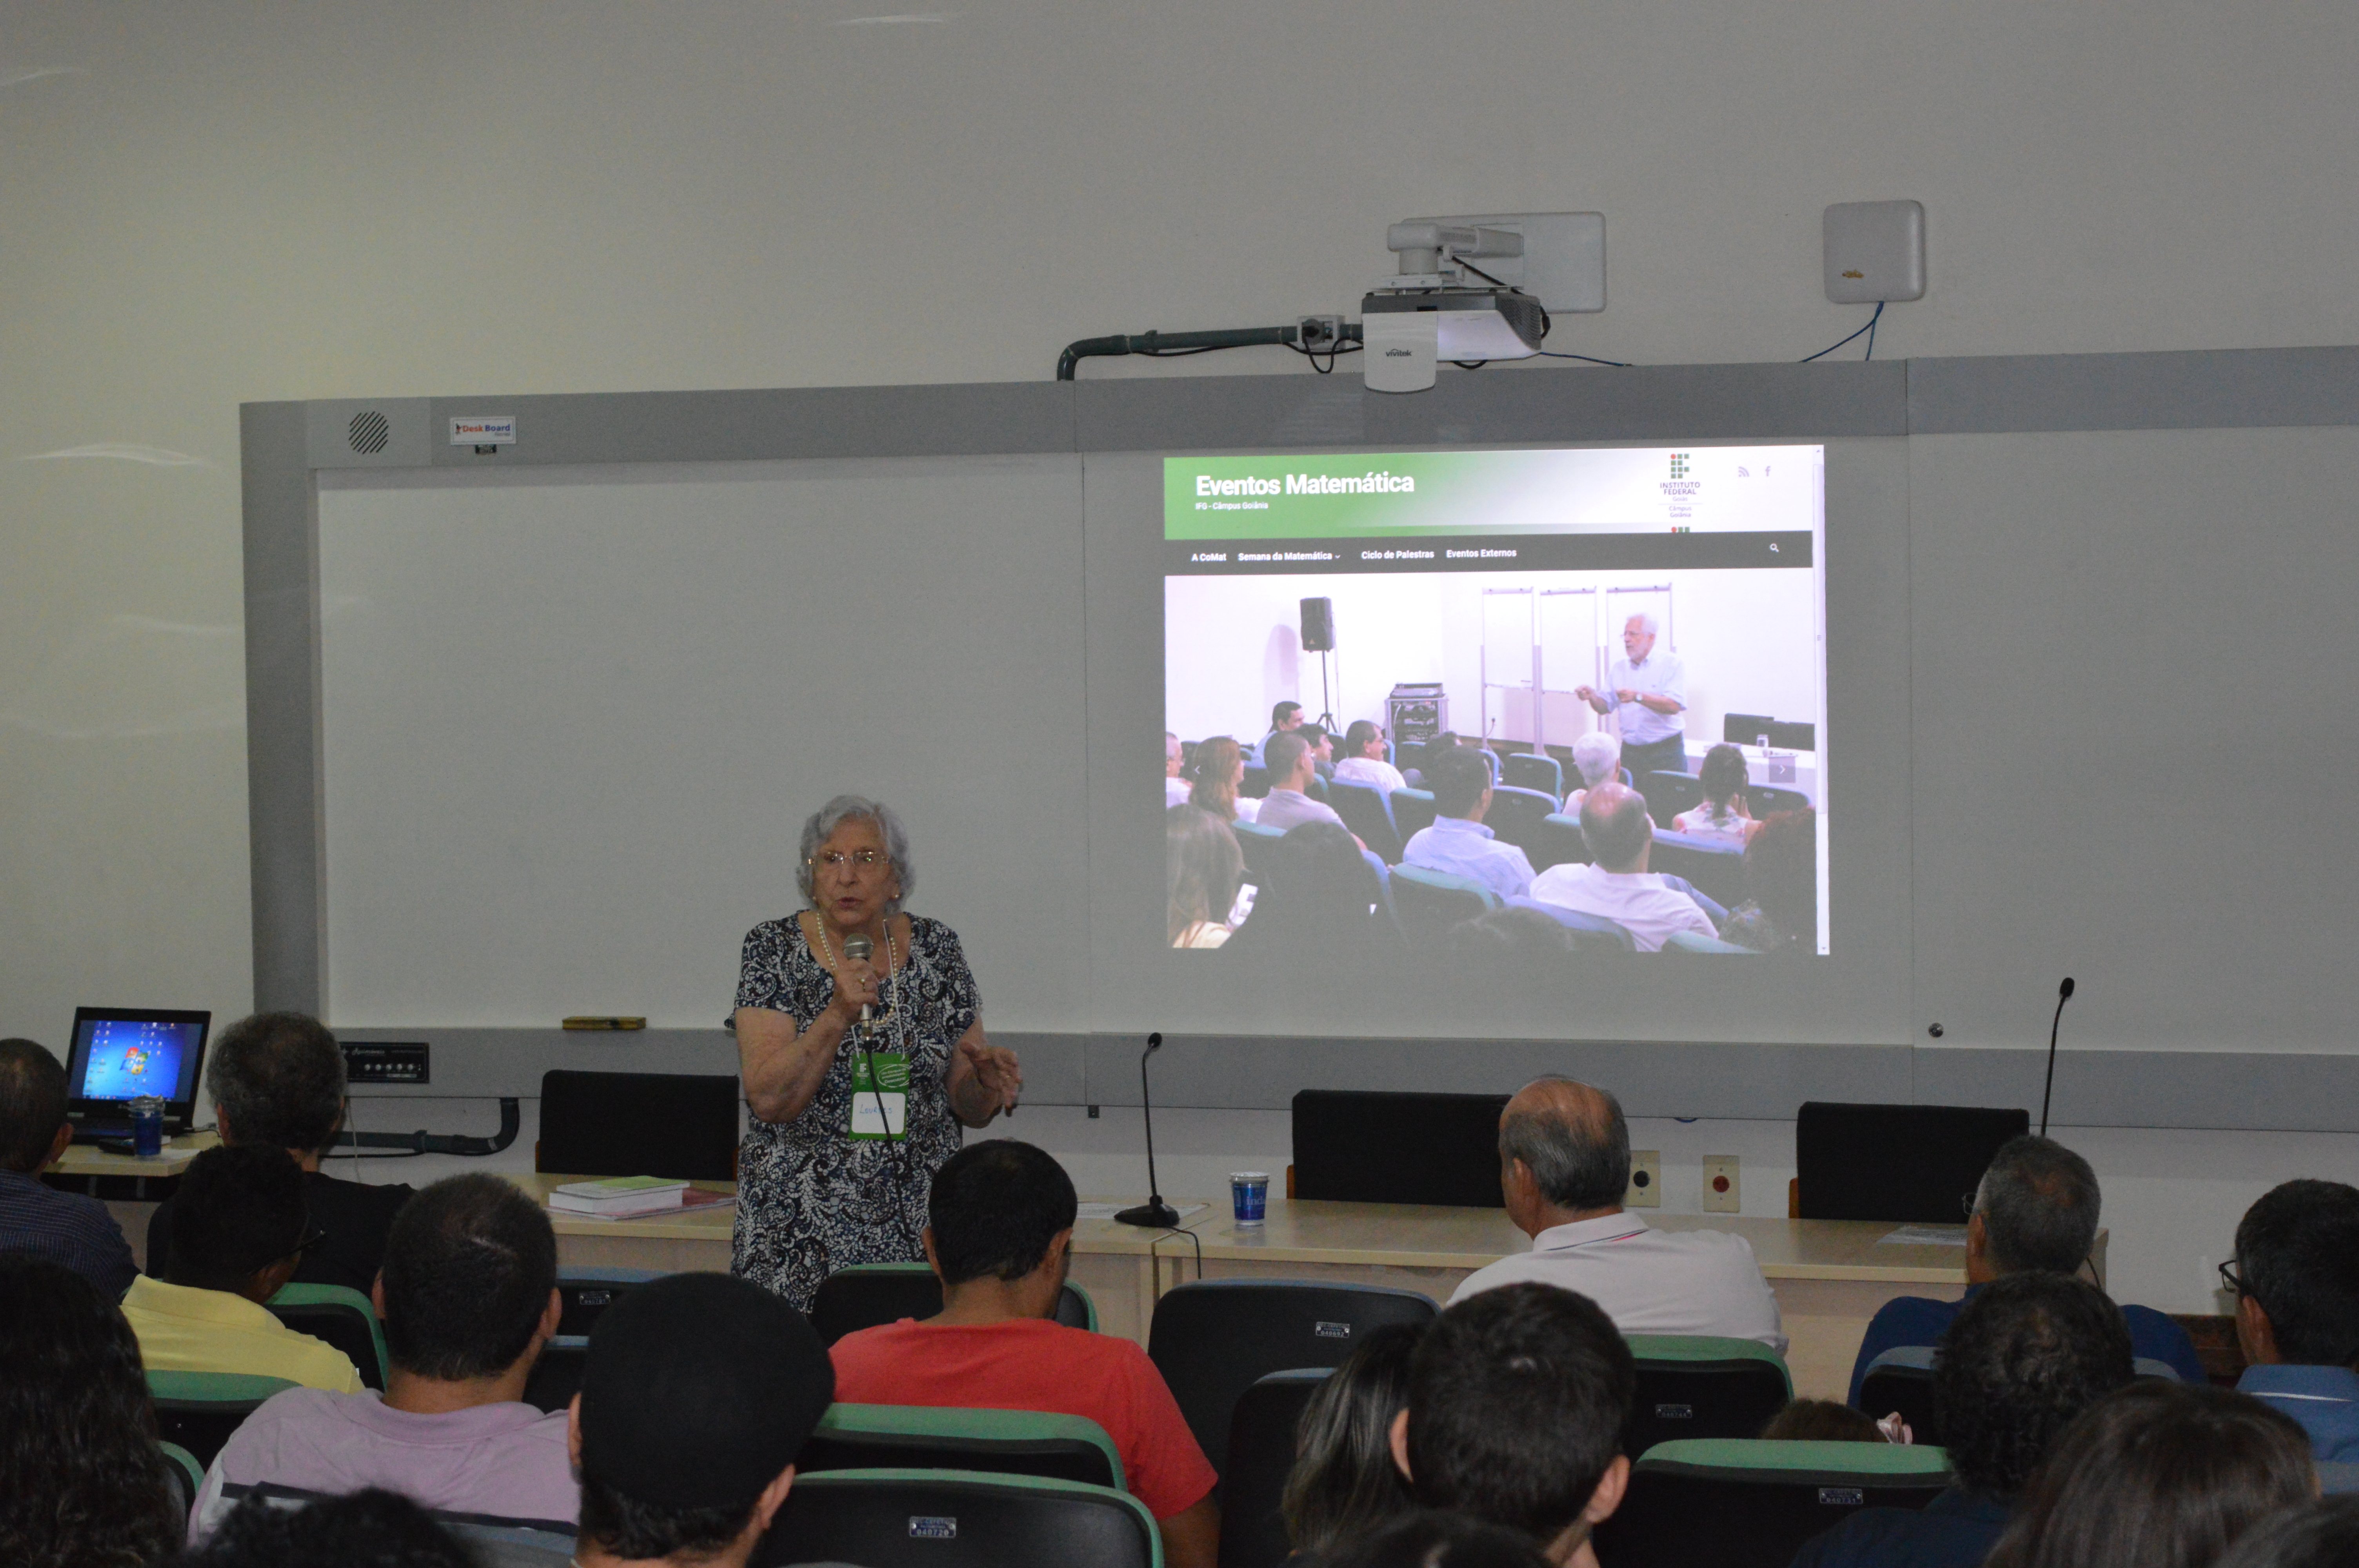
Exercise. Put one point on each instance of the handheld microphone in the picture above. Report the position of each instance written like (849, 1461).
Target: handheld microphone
(1154, 1211)
(858, 946)
(2064, 995)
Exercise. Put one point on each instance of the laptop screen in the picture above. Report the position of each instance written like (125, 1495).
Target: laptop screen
(120, 1054)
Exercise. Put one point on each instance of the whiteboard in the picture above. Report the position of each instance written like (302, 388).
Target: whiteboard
(573, 718)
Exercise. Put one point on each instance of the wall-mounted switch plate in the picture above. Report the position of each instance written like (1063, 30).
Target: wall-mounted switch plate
(1722, 1193)
(1645, 1189)
(1875, 252)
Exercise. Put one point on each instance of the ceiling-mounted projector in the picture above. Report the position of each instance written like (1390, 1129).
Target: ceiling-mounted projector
(1468, 289)
(1441, 306)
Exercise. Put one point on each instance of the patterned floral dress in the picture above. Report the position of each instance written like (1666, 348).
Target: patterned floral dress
(810, 1198)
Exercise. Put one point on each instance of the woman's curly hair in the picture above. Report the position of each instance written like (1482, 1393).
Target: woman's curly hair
(83, 1483)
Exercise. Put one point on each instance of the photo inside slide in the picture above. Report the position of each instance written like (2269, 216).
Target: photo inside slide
(1505, 703)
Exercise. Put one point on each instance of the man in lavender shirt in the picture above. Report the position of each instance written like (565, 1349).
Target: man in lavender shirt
(1613, 821)
(469, 1298)
(1288, 759)
(1458, 843)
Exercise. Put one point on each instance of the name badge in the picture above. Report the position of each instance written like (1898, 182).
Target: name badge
(880, 1095)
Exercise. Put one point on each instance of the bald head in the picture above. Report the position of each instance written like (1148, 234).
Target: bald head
(1613, 821)
(1573, 1140)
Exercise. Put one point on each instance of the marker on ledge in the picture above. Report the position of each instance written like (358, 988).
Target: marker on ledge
(587, 1020)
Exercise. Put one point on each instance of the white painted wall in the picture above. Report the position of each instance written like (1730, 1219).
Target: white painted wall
(271, 200)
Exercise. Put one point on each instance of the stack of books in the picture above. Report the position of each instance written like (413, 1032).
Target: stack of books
(630, 1197)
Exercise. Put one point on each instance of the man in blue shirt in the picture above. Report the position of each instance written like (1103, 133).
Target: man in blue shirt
(64, 1227)
(2296, 1279)
(2029, 1354)
(1458, 843)
(2036, 1209)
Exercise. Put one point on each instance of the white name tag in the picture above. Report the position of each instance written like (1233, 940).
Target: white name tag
(879, 1115)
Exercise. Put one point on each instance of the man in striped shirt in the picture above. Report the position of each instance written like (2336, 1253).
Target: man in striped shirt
(64, 1227)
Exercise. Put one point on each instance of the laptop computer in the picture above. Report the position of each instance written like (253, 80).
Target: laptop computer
(119, 1053)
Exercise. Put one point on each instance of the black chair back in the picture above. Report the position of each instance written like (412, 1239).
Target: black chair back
(956, 1519)
(1767, 798)
(1717, 868)
(1261, 1456)
(1559, 843)
(1412, 812)
(1535, 770)
(1667, 794)
(1519, 815)
(680, 1126)
(1051, 1458)
(1708, 1516)
(586, 1292)
(1700, 1396)
(341, 1326)
(853, 1299)
(1367, 813)
(202, 1426)
(557, 1376)
(1903, 1382)
(1213, 1340)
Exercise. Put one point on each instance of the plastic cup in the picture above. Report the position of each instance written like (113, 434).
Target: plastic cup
(147, 1127)
(1249, 1194)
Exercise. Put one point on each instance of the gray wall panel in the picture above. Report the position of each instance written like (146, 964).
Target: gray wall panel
(1653, 1078)
(2238, 1091)
(282, 707)
(766, 423)
(1648, 403)
(2218, 388)
(1219, 411)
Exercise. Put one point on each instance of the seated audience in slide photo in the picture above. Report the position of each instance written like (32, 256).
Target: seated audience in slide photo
(1646, 618)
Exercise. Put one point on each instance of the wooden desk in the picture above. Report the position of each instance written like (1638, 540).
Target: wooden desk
(1830, 1275)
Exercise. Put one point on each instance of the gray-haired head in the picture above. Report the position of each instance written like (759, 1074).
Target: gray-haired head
(850, 808)
(1598, 756)
(2039, 1204)
(1573, 1138)
(1645, 621)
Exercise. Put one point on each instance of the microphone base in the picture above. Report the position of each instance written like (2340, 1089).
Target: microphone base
(1154, 1211)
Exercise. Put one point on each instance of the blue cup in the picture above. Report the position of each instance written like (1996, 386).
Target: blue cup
(147, 1127)
(1249, 1194)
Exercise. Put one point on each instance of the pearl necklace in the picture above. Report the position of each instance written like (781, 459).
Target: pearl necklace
(892, 958)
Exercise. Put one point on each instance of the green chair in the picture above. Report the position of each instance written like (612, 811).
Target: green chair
(927, 1437)
(338, 1315)
(1751, 1503)
(1695, 1386)
(188, 1475)
(867, 1295)
(958, 1519)
(198, 1410)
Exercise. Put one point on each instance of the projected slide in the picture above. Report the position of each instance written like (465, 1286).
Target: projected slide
(127, 1060)
(1567, 700)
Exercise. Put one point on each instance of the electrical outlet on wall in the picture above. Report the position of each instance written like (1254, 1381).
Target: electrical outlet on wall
(1646, 1180)
(1723, 1193)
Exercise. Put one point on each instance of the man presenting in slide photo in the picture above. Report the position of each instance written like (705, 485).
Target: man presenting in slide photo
(1650, 692)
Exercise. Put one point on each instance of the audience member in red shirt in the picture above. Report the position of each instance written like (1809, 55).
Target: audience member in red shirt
(1001, 1237)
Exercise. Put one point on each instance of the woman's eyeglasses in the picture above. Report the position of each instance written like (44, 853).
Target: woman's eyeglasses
(866, 859)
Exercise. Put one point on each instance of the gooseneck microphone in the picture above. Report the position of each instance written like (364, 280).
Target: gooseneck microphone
(2064, 995)
(1154, 1211)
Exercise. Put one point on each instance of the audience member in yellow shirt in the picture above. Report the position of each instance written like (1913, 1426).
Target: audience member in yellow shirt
(240, 1231)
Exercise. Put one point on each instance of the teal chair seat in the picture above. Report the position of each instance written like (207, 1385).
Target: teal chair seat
(338, 1315)
(198, 1410)
(927, 1437)
(1752, 1502)
(187, 1474)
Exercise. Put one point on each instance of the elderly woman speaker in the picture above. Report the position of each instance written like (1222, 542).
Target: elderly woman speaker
(859, 1040)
